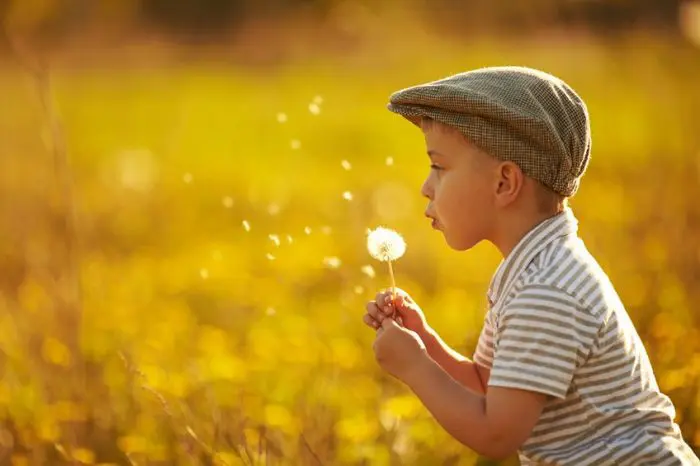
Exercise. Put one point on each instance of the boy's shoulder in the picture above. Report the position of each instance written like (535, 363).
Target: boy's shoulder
(566, 267)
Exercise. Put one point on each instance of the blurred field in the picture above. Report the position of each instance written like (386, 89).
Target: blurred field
(203, 343)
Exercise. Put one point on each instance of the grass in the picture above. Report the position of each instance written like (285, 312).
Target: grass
(195, 347)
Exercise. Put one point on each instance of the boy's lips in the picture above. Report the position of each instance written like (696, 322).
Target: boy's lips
(433, 221)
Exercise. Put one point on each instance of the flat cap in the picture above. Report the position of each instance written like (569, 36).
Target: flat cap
(514, 113)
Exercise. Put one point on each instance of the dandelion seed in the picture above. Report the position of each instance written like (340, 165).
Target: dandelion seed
(332, 262)
(281, 117)
(314, 108)
(295, 144)
(318, 100)
(275, 239)
(270, 257)
(227, 201)
(307, 230)
(347, 195)
(358, 289)
(326, 230)
(204, 273)
(368, 270)
(270, 311)
(273, 209)
(246, 225)
(386, 245)
(187, 178)
(346, 165)
(290, 240)
(389, 161)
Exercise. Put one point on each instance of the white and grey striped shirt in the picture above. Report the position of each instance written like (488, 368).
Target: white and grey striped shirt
(556, 326)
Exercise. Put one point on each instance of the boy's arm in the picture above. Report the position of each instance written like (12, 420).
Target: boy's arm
(494, 425)
(465, 371)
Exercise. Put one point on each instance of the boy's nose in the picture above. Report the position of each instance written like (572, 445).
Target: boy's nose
(427, 190)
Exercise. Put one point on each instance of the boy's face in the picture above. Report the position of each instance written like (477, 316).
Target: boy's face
(460, 188)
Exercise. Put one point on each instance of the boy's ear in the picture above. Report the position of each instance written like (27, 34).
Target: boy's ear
(509, 182)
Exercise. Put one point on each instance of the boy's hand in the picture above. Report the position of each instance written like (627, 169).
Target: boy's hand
(403, 309)
(397, 349)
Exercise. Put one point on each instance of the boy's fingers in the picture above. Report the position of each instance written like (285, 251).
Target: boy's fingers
(374, 311)
(367, 319)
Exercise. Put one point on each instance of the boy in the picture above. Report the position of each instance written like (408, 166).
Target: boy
(559, 374)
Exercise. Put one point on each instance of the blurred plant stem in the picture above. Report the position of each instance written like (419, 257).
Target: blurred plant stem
(62, 277)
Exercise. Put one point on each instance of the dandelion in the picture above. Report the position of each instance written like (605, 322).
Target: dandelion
(346, 165)
(246, 225)
(386, 245)
(281, 117)
(275, 239)
(347, 195)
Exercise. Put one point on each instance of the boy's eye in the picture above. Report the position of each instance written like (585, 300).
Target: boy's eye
(435, 167)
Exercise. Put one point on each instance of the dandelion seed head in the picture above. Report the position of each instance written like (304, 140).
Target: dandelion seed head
(385, 245)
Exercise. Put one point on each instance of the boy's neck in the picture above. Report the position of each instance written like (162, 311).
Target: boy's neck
(513, 228)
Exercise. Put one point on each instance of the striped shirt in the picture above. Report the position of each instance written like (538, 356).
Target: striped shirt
(556, 326)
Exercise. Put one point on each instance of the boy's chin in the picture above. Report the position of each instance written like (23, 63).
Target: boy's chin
(460, 244)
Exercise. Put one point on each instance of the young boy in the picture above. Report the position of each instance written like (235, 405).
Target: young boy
(559, 374)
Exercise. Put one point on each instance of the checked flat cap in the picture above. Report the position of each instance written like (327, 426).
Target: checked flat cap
(516, 114)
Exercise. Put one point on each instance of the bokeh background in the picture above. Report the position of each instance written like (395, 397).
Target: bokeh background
(186, 187)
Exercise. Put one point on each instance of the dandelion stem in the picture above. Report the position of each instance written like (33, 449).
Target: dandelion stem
(393, 282)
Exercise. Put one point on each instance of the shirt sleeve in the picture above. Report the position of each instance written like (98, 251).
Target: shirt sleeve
(483, 355)
(542, 336)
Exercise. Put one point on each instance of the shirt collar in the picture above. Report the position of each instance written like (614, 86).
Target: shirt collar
(534, 241)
